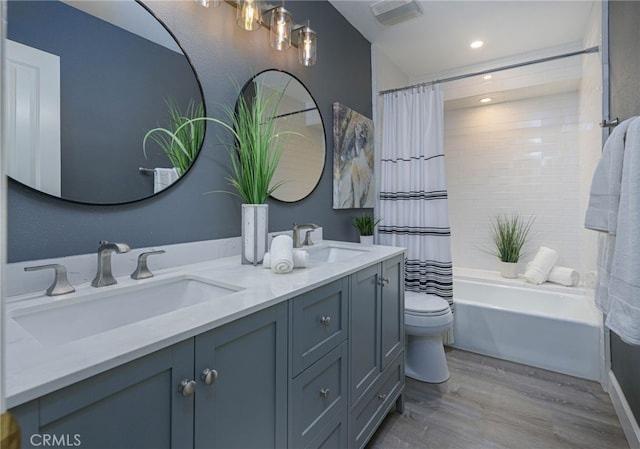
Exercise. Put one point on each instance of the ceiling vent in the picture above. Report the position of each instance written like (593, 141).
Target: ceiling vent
(392, 12)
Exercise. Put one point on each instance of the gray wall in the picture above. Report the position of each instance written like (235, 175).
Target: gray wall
(624, 82)
(222, 54)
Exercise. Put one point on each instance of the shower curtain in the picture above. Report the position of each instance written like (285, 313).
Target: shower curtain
(413, 194)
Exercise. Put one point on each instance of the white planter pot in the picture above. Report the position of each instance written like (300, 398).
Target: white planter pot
(366, 240)
(509, 269)
(255, 226)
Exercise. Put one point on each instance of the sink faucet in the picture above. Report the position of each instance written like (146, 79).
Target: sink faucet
(296, 234)
(104, 276)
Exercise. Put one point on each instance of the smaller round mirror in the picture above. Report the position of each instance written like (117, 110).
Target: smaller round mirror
(303, 154)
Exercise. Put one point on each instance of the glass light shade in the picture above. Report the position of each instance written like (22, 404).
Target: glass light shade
(280, 24)
(307, 46)
(248, 15)
(207, 3)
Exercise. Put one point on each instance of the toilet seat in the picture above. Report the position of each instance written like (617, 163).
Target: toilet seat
(420, 304)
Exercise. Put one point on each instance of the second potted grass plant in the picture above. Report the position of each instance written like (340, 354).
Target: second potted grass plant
(365, 224)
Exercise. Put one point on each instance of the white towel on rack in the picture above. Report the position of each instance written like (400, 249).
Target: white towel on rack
(604, 197)
(281, 254)
(623, 316)
(163, 178)
(539, 268)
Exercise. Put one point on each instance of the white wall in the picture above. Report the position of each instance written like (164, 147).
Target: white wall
(519, 156)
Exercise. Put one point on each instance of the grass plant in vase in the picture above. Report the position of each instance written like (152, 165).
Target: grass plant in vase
(509, 234)
(365, 224)
(255, 154)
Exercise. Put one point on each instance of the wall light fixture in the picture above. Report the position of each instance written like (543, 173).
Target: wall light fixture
(283, 31)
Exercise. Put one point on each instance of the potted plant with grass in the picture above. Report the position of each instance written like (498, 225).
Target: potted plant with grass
(509, 234)
(181, 140)
(365, 224)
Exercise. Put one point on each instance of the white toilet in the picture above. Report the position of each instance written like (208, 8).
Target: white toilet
(426, 318)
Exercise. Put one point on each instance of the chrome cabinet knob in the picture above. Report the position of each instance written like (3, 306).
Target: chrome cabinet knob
(324, 392)
(325, 320)
(382, 396)
(209, 376)
(383, 281)
(187, 387)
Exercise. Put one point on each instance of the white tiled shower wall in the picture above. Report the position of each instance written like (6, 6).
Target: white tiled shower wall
(519, 156)
(534, 155)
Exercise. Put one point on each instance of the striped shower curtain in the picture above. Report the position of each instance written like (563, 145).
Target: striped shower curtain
(413, 193)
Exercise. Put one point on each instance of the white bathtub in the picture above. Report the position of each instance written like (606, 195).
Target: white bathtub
(555, 328)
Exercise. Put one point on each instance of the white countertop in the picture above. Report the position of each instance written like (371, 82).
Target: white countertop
(33, 369)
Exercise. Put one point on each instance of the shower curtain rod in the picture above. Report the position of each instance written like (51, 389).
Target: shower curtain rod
(499, 69)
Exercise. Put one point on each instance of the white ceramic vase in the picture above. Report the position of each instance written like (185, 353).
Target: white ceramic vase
(255, 227)
(366, 240)
(509, 269)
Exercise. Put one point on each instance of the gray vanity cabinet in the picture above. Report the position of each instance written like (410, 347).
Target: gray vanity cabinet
(318, 391)
(139, 404)
(136, 405)
(376, 346)
(245, 403)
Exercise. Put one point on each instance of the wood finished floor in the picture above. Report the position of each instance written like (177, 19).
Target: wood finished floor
(490, 403)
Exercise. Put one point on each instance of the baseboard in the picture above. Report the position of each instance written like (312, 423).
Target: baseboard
(625, 415)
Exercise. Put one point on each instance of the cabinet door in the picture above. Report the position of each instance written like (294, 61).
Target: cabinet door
(246, 406)
(392, 328)
(364, 335)
(136, 405)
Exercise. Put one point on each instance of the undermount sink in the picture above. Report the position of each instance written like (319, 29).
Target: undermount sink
(334, 253)
(66, 320)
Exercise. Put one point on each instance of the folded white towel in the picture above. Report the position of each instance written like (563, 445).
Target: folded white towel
(300, 259)
(564, 276)
(539, 268)
(281, 254)
(163, 178)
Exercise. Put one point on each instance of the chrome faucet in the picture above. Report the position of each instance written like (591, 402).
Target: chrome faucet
(104, 276)
(296, 234)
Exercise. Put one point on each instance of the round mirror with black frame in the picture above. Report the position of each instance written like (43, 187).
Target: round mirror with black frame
(86, 82)
(304, 148)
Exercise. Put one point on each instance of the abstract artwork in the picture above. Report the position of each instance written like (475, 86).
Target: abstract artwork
(353, 181)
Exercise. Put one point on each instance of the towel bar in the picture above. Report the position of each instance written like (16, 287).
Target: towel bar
(605, 124)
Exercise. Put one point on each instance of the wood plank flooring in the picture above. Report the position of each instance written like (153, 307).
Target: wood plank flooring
(491, 403)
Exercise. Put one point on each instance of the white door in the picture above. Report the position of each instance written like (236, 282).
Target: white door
(33, 117)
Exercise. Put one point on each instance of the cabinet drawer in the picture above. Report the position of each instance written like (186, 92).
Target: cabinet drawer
(319, 323)
(317, 396)
(334, 435)
(368, 415)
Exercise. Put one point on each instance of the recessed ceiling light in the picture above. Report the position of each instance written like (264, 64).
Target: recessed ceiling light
(485, 100)
(487, 77)
(476, 44)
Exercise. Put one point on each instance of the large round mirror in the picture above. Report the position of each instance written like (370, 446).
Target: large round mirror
(87, 80)
(303, 154)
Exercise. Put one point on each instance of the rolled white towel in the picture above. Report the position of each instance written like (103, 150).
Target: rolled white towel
(281, 254)
(564, 276)
(539, 268)
(300, 259)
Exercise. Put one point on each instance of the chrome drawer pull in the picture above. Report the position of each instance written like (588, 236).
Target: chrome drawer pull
(325, 320)
(324, 392)
(209, 376)
(382, 396)
(187, 387)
